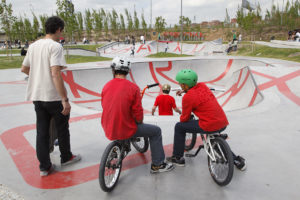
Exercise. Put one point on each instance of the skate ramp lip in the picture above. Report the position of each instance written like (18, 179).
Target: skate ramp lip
(235, 87)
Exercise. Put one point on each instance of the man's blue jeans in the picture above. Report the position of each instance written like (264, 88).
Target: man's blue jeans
(154, 134)
(181, 128)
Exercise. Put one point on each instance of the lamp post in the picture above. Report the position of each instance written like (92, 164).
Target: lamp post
(181, 27)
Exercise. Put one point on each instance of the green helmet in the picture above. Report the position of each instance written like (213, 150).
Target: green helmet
(187, 76)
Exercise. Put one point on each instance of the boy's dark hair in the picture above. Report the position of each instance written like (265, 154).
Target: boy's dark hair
(166, 91)
(120, 72)
(53, 24)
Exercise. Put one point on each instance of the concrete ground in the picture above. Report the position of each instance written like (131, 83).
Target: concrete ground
(261, 98)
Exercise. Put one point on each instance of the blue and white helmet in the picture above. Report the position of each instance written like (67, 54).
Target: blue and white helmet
(121, 64)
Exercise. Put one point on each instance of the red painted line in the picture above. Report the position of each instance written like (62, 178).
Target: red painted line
(229, 64)
(74, 87)
(177, 48)
(15, 104)
(165, 69)
(14, 82)
(195, 48)
(142, 48)
(201, 48)
(24, 157)
(253, 97)
(87, 101)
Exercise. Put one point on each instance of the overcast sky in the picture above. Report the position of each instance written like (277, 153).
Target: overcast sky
(196, 10)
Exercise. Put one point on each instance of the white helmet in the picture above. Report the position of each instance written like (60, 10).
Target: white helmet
(120, 64)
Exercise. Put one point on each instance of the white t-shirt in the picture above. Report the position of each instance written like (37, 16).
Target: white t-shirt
(41, 56)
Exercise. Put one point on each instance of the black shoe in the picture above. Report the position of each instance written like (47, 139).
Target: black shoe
(165, 167)
(176, 160)
(240, 163)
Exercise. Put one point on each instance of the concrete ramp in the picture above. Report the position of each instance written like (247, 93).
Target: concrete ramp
(234, 85)
(152, 47)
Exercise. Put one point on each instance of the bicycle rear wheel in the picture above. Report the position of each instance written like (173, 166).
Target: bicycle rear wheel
(110, 166)
(221, 169)
(190, 141)
(141, 144)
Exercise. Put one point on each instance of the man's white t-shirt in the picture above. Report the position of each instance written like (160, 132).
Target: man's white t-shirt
(41, 56)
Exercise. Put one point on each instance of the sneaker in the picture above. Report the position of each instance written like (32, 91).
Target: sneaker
(175, 160)
(240, 163)
(49, 171)
(74, 158)
(165, 167)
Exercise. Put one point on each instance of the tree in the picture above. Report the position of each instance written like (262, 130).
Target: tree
(65, 10)
(79, 27)
(114, 21)
(122, 24)
(28, 30)
(160, 24)
(88, 20)
(105, 21)
(98, 24)
(186, 22)
(144, 24)
(227, 18)
(136, 21)
(6, 18)
(35, 27)
(43, 19)
(129, 21)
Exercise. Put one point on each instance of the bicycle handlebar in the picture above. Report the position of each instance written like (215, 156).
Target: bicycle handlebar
(152, 85)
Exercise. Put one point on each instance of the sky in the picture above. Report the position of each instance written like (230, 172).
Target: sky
(196, 10)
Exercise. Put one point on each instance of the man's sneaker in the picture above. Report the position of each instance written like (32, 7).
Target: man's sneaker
(175, 160)
(240, 163)
(74, 158)
(165, 167)
(49, 171)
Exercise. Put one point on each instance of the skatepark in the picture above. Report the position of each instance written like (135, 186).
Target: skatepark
(260, 96)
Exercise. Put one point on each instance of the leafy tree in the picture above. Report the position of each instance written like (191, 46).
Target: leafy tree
(105, 21)
(35, 26)
(28, 30)
(114, 21)
(6, 18)
(136, 21)
(79, 27)
(65, 10)
(144, 24)
(186, 22)
(88, 20)
(98, 24)
(43, 19)
(160, 24)
(122, 24)
(227, 18)
(129, 21)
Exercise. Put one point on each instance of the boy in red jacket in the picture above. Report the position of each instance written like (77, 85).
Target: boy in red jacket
(122, 115)
(202, 102)
(166, 103)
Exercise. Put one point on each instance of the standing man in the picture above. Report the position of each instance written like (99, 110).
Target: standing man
(122, 116)
(43, 63)
(166, 103)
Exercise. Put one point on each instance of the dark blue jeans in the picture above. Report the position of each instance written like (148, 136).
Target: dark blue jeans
(44, 112)
(181, 128)
(154, 134)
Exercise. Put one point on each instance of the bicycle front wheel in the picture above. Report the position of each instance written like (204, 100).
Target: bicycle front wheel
(110, 167)
(221, 169)
(190, 141)
(141, 144)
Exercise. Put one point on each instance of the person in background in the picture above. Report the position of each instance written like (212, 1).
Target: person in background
(165, 103)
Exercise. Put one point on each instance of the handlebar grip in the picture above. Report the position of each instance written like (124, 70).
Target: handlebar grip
(153, 85)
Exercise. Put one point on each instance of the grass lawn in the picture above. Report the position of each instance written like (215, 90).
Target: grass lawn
(268, 52)
(91, 47)
(166, 55)
(16, 61)
(13, 51)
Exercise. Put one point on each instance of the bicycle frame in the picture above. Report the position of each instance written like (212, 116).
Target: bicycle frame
(207, 145)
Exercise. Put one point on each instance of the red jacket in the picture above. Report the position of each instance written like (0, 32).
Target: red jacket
(165, 104)
(201, 101)
(122, 107)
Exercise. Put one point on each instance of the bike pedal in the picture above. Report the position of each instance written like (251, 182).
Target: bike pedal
(224, 136)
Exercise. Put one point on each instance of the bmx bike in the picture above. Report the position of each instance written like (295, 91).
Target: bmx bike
(112, 158)
(219, 154)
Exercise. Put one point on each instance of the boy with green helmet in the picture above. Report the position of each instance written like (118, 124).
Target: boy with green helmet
(211, 117)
